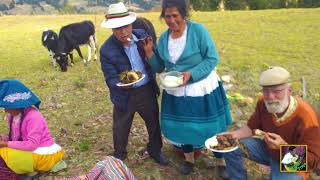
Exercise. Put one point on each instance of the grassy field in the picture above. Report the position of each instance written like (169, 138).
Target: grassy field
(76, 104)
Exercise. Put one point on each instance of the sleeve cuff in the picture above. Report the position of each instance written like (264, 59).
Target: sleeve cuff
(153, 62)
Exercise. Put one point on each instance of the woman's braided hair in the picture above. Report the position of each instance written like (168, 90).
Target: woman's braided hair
(20, 126)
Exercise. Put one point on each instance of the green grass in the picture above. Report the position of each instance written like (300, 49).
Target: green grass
(77, 106)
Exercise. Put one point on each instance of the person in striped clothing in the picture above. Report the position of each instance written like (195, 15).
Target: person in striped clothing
(109, 168)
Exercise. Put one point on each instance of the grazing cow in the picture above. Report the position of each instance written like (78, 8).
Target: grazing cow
(50, 41)
(71, 37)
(143, 23)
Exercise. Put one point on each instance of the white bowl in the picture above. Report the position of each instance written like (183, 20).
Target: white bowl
(171, 79)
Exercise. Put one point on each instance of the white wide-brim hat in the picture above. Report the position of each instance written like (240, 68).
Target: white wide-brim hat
(118, 16)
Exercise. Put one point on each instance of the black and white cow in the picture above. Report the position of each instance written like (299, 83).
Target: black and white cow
(71, 37)
(50, 41)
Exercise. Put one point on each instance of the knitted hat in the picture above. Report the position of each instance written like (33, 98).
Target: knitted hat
(274, 76)
(14, 95)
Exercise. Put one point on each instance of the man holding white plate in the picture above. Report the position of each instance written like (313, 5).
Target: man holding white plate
(123, 51)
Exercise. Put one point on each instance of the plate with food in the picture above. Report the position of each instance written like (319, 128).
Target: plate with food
(128, 78)
(222, 143)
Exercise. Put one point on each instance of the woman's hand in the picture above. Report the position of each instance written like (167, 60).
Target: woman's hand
(186, 77)
(148, 47)
(3, 144)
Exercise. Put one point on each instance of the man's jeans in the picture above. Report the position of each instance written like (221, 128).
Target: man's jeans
(257, 152)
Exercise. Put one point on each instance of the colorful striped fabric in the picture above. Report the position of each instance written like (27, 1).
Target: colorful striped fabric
(115, 169)
(117, 15)
(6, 173)
(108, 169)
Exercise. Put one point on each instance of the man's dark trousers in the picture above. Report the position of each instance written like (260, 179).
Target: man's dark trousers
(143, 100)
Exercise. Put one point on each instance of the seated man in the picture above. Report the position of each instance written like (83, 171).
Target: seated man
(285, 120)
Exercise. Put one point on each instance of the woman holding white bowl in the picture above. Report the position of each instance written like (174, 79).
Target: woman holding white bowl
(198, 109)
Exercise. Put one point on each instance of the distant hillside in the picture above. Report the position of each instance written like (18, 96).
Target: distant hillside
(29, 7)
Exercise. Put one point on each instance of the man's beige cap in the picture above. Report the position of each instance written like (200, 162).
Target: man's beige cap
(274, 76)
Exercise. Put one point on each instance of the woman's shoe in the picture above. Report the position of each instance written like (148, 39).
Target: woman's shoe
(186, 168)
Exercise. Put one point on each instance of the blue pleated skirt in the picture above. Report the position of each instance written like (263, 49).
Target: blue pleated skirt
(192, 115)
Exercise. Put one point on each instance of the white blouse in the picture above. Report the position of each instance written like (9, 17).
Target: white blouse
(200, 88)
(176, 46)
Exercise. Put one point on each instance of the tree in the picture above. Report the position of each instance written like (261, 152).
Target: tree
(291, 3)
(258, 4)
(205, 5)
(276, 4)
(235, 4)
(214, 4)
(196, 4)
(309, 3)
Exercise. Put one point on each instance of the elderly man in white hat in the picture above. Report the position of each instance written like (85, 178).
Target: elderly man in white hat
(123, 51)
(283, 119)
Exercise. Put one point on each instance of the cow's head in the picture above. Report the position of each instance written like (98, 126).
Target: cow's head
(62, 60)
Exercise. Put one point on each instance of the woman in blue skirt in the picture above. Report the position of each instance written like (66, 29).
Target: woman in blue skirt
(198, 109)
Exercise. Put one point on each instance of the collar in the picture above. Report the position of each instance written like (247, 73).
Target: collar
(291, 109)
(135, 40)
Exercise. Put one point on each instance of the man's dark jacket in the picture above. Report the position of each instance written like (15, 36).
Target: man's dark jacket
(114, 60)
